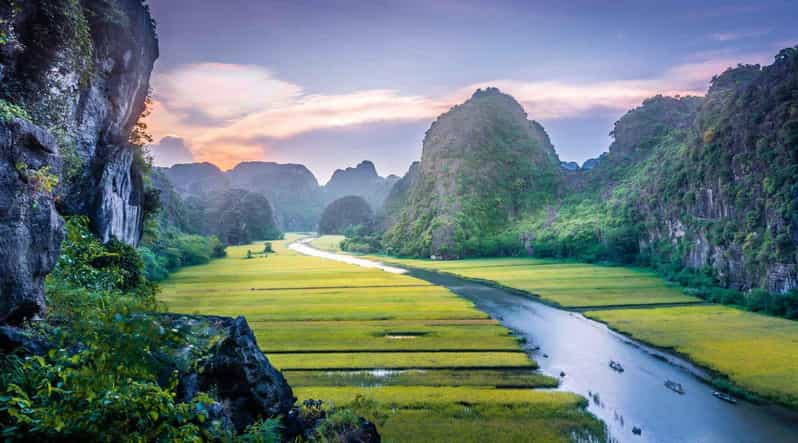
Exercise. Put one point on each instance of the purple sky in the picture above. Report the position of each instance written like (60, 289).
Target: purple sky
(329, 84)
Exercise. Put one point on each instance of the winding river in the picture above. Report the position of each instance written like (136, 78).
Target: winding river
(565, 342)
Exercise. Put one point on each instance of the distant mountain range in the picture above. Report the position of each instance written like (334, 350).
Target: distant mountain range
(294, 192)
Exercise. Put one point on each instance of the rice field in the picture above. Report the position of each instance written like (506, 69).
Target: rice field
(422, 363)
(566, 284)
(331, 243)
(757, 352)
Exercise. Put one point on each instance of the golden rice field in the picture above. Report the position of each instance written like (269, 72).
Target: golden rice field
(570, 285)
(757, 352)
(422, 363)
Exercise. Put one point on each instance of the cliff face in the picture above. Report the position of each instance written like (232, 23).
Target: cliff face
(30, 228)
(483, 165)
(727, 200)
(362, 181)
(708, 184)
(74, 77)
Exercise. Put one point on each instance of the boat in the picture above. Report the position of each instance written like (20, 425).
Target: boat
(725, 397)
(636, 430)
(675, 387)
(616, 366)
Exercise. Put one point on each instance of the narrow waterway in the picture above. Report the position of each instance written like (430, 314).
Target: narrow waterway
(565, 342)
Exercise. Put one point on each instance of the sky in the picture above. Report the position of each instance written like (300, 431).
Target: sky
(330, 83)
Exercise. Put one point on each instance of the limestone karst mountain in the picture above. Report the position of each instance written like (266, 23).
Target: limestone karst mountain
(363, 181)
(483, 165)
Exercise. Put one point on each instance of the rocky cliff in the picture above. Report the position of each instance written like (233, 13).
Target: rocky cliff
(483, 165)
(363, 181)
(74, 78)
(725, 195)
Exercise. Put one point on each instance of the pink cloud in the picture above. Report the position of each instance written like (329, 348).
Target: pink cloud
(248, 104)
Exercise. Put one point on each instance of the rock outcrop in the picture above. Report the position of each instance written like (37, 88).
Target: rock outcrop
(222, 355)
(76, 74)
(30, 228)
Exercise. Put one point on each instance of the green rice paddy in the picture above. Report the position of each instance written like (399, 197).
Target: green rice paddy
(570, 285)
(331, 243)
(756, 352)
(422, 363)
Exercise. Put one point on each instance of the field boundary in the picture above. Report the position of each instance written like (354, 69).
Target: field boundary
(389, 351)
(309, 288)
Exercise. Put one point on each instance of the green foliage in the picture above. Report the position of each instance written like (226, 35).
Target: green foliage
(9, 111)
(336, 425)
(360, 239)
(170, 250)
(87, 263)
(262, 431)
(103, 378)
(41, 180)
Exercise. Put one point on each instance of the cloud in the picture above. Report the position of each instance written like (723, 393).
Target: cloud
(230, 113)
(170, 150)
(730, 36)
(223, 91)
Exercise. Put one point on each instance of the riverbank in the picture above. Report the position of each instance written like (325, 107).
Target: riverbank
(758, 364)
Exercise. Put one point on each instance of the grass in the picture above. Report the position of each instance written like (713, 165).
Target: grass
(398, 360)
(571, 285)
(386, 335)
(465, 414)
(331, 243)
(521, 378)
(425, 362)
(757, 352)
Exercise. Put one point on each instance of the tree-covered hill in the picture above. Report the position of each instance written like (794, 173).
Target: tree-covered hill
(345, 213)
(483, 166)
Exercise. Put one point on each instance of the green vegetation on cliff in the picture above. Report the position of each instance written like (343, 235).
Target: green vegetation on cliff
(483, 166)
(703, 190)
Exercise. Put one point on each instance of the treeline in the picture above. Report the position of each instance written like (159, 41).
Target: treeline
(194, 230)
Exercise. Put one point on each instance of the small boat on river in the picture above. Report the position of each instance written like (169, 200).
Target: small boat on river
(725, 397)
(675, 387)
(616, 366)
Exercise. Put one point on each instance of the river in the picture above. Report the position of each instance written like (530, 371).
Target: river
(565, 342)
